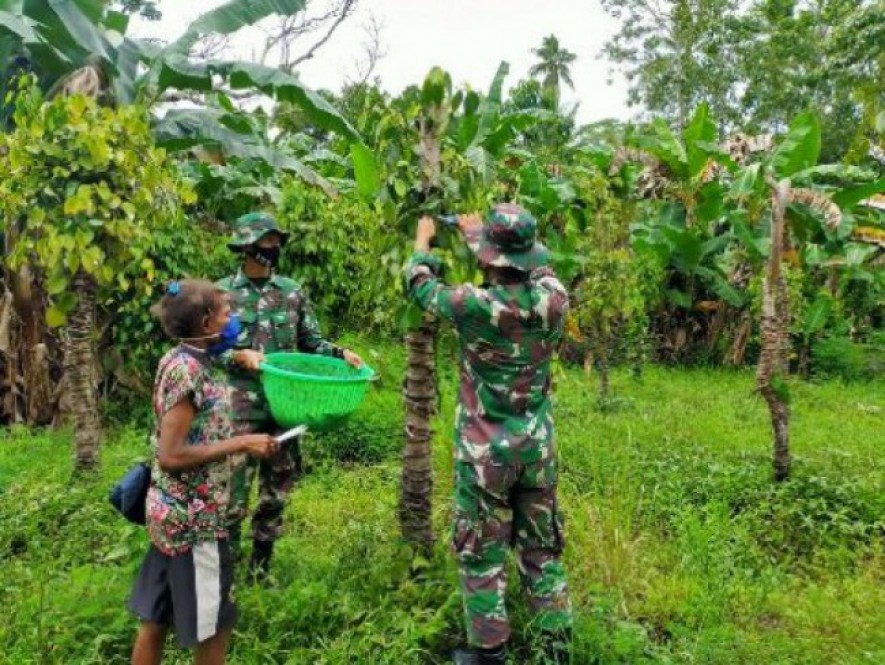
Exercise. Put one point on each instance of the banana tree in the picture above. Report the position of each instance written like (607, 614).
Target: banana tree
(58, 41)
(83, 45)
(680, 181)
(765, 192)
(220, 134)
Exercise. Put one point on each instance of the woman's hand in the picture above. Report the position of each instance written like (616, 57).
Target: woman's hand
(248, 359)
(258, 445)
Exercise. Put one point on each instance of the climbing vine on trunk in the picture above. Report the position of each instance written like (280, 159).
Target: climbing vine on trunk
(84, 188)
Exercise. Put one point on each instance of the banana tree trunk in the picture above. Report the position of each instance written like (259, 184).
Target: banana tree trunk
(741, 339)
(23, 337)
(9, 378)
(774, 357)
(419, 394)
(80, 378)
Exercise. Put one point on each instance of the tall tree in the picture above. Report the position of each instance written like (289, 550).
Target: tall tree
(756, 64)
(855, 52)
(767, 192)
(555, 65)
(676, 54)
(298, 36)
(784, 50)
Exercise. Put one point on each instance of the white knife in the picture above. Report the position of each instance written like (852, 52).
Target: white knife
(291, 434)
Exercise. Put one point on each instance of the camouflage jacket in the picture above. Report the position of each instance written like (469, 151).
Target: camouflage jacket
(508, 336)
(275, 317)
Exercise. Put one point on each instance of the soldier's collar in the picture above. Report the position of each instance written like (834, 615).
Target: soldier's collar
(276, 280)
(241, 280)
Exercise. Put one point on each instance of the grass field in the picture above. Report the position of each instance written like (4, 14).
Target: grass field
(680, 547)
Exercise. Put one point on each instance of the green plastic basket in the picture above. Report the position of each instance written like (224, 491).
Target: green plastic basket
(312, 390)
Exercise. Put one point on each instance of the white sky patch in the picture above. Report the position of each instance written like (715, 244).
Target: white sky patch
(467, 38)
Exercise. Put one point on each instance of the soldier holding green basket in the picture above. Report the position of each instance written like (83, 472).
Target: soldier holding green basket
(275, 315)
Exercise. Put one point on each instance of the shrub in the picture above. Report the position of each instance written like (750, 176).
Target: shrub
(840, 357)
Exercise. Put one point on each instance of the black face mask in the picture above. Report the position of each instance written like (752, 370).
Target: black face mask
(265, 256)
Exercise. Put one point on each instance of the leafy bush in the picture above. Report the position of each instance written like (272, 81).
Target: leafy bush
(840, 357)
(85, 191)
(340, 252)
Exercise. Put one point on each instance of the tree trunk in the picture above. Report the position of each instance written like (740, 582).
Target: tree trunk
(804, 368)
(80, 378)
(602, 355)
(9, 376)
(773, 361)
(741, 339)
(27, 358)
(419, 389)
(419, 394)
(833, 282)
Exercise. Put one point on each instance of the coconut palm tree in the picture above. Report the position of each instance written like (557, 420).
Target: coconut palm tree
(554, 66)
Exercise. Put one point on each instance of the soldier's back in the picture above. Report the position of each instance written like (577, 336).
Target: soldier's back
(509, 341)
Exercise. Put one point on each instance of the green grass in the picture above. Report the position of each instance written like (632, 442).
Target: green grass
(680, 547)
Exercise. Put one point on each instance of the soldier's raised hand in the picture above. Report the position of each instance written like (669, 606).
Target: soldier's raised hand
(470, 223)
(425, 233)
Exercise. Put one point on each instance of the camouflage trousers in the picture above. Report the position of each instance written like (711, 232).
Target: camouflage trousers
(276, 476)
(499, 507)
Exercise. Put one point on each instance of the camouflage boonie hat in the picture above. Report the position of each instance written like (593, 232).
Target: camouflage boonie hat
(251, 228)
(508, 240)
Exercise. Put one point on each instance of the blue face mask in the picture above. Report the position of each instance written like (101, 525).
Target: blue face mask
(227, 338)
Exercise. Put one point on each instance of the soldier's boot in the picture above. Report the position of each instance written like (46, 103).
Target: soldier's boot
(259, 564)
(555, 647)
(494, 656)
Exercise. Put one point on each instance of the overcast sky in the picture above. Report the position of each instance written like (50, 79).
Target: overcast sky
(468, 38)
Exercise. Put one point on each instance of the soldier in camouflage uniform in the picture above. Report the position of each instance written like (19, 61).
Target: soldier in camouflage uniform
(275, 315)
(505, 461)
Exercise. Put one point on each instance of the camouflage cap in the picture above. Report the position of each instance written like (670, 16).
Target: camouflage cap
(508, 240)
(250, 228)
